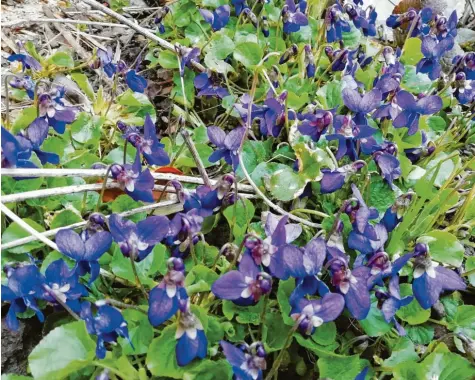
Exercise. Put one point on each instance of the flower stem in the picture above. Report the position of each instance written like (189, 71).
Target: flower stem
(262, 317)
(109, 368)
(441, 323)
(278, 360)
(137, 279)
(7, 100)
(306, 211)
(104, 184)
(192, 249)
(196, 156)
(123, 305)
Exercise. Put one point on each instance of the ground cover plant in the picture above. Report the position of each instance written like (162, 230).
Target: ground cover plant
(263, 189)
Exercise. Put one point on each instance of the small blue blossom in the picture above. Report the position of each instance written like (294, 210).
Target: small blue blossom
(187, 56)
(292, 17)
(239, 6)
(138, 240)
(247, 362)
(158, 20)
(433, 52)
(53, 112)
(335, 23)
(316, 123)
(227, 144)
(24, 83)
(309, 62)
(183, 231)
(206, 86)
(27, 61)
(361, 104)
(334, 180)
(219, 18)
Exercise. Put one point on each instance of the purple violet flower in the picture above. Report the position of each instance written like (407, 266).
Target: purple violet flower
(160, 15)
(464, 89)
(273, 118)
(292, 17)
(136, 183)
(219, 18)
(423, 17)
(444, 28)
(227, 144)
(138, 240)
(301, 263)
(183, 231)
(393, 215)
(104, 60)
(135, 81)
(388, 165)
(244, 286)
(187, 55)
(309, 62)
(312, 314)
(206, 86)
(432, 279)
(433, 52)
(15, 151)
(86, 253)
(315, 124)
(148, 144)
(334, 180)
(27, 61)
(165, 298)
(335, 23)
(54, 113)
(23, 286)
(24, 83)
(361, 104)
(413, 109)
(247, 362)
(108, 324)
(192, 342)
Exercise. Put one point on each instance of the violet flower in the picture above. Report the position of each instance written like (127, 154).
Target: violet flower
(315, 124)
(183, 231)
(348, 134)
(247, 362)
(335, 23)
(388, 165)
(239, 6)
(187, 56)
(426, 149)
(219, 18)
(361, 104)
(136, 183)
(64, 284)
(433, 52)
(309, 62)
(393, 215)
(27, 61)
(105, 58)
(413, 109)
(292, 17)
(446, 28)
(32, 139)
(334, 180)
(464, 89)
(392, 302)
(423, 17)
(206, 86)
(273, 118)
(312, 314)
(192, 342)
(108, 324)
(265, 27)
(387, 111)
(85, 253)
(160, 15)
(465, 64)
(268, 251)
(135, 81)
(15, 151)
(148, 144)
(227, 144)
(244, 286)
(24, 284)
(52, 111)
(304, 262)
(432, 279)
(24, 83)
(165, 298)
(138, 240)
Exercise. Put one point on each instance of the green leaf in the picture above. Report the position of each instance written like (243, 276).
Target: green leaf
(310, 161)
(140, 333)
(177, 91)
(239, 222)
(420, 334)
(325, 334)
(262, 173)
(186, 159)
(210, 370)
(286, 185)
(244, 314)
(27, 116)
(340, 368)
(333, 94)
(64, 351)
(402, 351)
(215, 330)
(84, 84)
(248, 54)
(413, 313)
(283, 294)
(65, 218)
(380, 196)
(121, 266)
(218, 65)
(444, 247)
(220, 46)
(15, 232)
(470, 265)
(375, 324)
(447, 366)
(276, 331)
(409, 370)
(464, 318)
(415, 82)
(436, 123)
(200, 279)
(124, 203)
(86, 129)
(168, 60)
(62, 59)
(11, 376)
(353, 37)
(253, 153)
(412, 51)
(297, 101)
(447, 167)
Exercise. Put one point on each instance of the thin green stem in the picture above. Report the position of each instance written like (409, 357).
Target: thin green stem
(306, 211)
(136, 275)
(111, 369)
(103, 189)
(441, 323)
(278, 361)
(122, 305)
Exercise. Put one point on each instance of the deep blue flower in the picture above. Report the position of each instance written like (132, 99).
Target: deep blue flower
(301, 263)
(273, 117)
(85, 253)
(268, 251)
(105, 58)
(334, 180)
(192, 342)
(24, 83)
(315, 124)
(206, 86)
(290, 52)
(239, 6)
(388, 165)
(136, 183)
(138, 240)
(361, 104)
(392, 302)
(27, 61)
(423, 17)
(348, 134)
(247, 362)
(108, 324)
(227, 144)
(265, 26)
(148, 144)
(393, 215)
(426, 149)
(464, 89)
(32, 139)
(312, 314)
(387, 111)
(165, 298)
(363, 19)
(446, 28)
(135, 81)
(64, 284)
(433, 51)
(335, 23)
(244, 286)
(23, 286)
(219, 18)
(53, 112)
(16, 151)
(465, 64)
(309, 62)
(183, 231)
(412, 110)
(187, 55)
(292, 17)
(364, 372)
(432, 279)
(160, 15)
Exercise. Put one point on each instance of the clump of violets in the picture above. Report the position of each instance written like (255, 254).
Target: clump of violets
(294, 18)
(335, 23)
